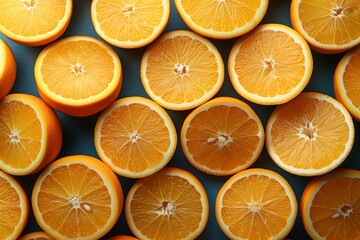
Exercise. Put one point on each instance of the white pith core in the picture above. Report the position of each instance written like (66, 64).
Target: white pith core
(221, 140)
(14, 137)
(181, 69)
(29, 5)
(128, 9)
(167, 208)
(308, 132)
(133, 137)
(268, 63)
(344, 211)
(337, 12)
(78, 69)
(76, 202)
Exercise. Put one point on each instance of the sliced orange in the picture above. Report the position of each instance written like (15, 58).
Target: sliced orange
(330, 206)
(122, 237)
(330, 26)
(222, 136)
(77, 197)
(34, 22)
(310, 135)
(135, 137)
(7, 69)
(181, 70)
(14, 207)
(30, 134)
(36, 236)
(222, 19)
(130, 24)
(347, 82)
(270, 65)
(78, 75)
(170, 204)
(256, 204)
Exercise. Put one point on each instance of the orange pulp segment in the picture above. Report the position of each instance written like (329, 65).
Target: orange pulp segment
(221, 19)
(222, 136)
(270, 65)
(30, 134)
(14, 208)
(310, 135)
(181, 70)
(78, 75)
(34, 22)
(141, 21)
(135, 137)
(170, 204)
(347, 82)
(256, 204)
(77, 197)
(330, 205)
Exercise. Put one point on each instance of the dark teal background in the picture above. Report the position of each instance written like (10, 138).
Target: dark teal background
(78, 132)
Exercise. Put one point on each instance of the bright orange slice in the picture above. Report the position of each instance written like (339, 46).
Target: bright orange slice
(34, 22)
(181, 70)
(30, 134)
(330, 26)
(135, 137)
(7, 69)
(36, 236)
(256, 204)
(77, 197)
(170, 204)
(270, 65)
(222, 19)
(130, 24)
(310, 135)
(347, 82)
(222, 136)
(330, 206)
(14, 207)
(78, 75)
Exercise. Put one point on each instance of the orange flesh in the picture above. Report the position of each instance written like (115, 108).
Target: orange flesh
(351, 79)
(336, 195)
(174, 83)
(223, 16)
(81, 76)
(140, 19)
(73, 182)
(316, 19)
(20, 138)
(309, 133)
(269, 63)
(10, 211)
(134, 137)
(148, 200)
(226, 121)
(29, 17)
(259, 193)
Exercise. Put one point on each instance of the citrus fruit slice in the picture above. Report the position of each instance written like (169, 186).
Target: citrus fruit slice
(256, 204)
(310, 135)
(34, 22)
(78, 75)
(222, 136)
(347, 82)
(7, 69)
(181, 70)
(36, 236)
(77, 197)
(170, 204)
(270, 65)
(221, 19)
(330, 205)
(14, 207)
(122, 237)
(135, 137)
(329, 26)
(141, 21)
(30, 134)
